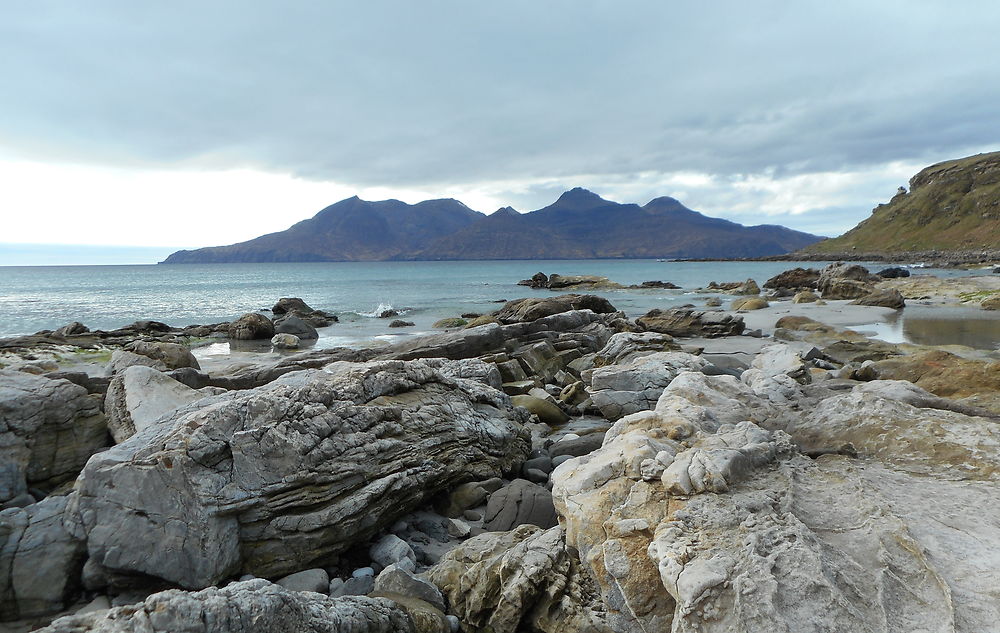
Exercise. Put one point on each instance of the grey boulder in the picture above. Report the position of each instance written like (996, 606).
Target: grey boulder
(283, 477)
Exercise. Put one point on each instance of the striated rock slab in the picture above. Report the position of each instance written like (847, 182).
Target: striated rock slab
(522, 580)
(530, 309)
(280, 478)
(685, 322)
(48, 430)
(243, 607)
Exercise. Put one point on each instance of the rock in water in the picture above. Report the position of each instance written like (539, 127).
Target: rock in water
(251, 326)
(48, 430)
(250, 606)
(280, 478)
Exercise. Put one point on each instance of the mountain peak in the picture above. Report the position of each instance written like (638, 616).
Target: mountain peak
(506, 211)
(579, 198)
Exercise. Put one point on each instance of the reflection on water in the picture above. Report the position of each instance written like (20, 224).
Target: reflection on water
(935, 326)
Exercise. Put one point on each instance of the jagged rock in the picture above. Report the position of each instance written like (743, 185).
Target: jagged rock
(40, 561)
(48, 430)
(291, 324)
(297, 307)
(279, 478)
(794, 279)
(173, 355)
(625, 346)
(520, 580)
(525, 310)
(540, 360)
(139, 396)
(244, 607)
(618, 390)
(885, 298)
(519, 503)
(748, 287)
(251, 326)
(686, 322)
(285, 341)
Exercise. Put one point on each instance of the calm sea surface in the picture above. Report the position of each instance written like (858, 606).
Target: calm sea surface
(106, 297)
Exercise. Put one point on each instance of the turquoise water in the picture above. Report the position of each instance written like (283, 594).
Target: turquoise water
(107, 297)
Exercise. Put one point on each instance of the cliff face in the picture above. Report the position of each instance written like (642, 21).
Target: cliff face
(579, 225)
(951, 206)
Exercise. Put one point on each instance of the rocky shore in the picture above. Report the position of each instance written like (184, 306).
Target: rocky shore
(554, 466)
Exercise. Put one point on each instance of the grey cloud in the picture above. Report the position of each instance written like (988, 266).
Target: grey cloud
(442, 93)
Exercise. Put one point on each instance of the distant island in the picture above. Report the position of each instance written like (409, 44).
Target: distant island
(579, 225)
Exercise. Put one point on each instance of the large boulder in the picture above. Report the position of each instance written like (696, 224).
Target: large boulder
(139, 396)
(794, 279)
(40, 561)
(48, 430)
(686, 322)
(251, 326)
(842, 280)
(636, 385)
(284, 477)
(294, 306)
(522, 580)
(521, 310)
(250, 606)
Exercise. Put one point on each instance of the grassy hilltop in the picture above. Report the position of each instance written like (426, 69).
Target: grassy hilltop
(951, 206)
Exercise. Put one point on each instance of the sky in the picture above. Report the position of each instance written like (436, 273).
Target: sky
(188, 124)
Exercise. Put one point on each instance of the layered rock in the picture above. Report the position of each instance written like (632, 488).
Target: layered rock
(48, 430)
(280, 478)
(686, 322)
(521, 310)
(140, 395)
(244, 607)
(794, 279)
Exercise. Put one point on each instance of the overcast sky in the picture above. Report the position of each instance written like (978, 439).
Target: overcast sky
(203, 123)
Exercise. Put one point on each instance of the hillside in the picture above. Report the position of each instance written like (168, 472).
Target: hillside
(951, 206)
(579, 225)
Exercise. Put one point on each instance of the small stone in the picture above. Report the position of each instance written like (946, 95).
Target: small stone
(458, 528)
(454, 623)
(536, 476)
(336, 588)
(361, 572)
(400, 581)
(359, 586)
(473, 515)
(285, 341)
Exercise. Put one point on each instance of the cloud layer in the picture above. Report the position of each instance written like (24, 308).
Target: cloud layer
(768, 111)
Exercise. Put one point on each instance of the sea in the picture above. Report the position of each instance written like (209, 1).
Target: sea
(34, 298)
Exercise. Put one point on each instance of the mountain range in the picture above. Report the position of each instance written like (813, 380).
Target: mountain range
(579, 225)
